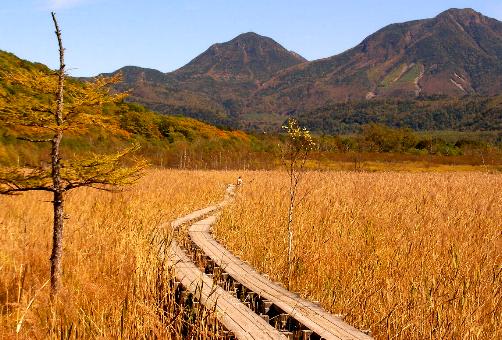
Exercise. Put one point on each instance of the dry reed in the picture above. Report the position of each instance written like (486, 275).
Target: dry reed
(115, 286)
(409, 256)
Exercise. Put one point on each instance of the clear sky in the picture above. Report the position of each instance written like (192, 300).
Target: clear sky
(104, 35)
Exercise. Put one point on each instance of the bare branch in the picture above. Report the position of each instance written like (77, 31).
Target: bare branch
(94, 185)
(14, 180)
(34, 140)
(42, 110)
(14, 191)
(103, 172)
(37, 126)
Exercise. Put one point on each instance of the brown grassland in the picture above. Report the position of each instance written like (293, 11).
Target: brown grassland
(407, 255)
(114, 285)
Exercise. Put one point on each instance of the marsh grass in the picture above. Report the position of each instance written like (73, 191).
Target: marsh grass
(407, 255)
(115, 284)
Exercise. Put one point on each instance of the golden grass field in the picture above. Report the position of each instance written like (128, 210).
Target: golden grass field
(407, 255)
(114, 285)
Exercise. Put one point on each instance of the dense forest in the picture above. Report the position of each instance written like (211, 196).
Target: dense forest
(426, 114)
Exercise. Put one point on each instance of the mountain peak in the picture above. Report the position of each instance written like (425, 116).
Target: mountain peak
(460, 11)
(254, 38)
(466, 16)
(249, 36)
(457, 53)
(249, 56)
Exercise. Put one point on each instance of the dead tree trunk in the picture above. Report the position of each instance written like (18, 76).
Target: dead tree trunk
(58, 189)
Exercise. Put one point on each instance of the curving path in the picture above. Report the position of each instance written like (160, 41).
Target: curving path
(247, 303)
(235, 316)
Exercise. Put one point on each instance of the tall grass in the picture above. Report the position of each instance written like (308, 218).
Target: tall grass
(115, 285)
(409, 256)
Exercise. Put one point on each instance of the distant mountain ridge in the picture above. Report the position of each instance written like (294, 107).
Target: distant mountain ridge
(457, 53)
(252, 80)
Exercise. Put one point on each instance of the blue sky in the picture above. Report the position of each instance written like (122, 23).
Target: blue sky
(104, 35)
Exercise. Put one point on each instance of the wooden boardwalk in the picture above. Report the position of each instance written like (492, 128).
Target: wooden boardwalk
(193, 216)
(309, 314)
(231, 312)
(235, 316)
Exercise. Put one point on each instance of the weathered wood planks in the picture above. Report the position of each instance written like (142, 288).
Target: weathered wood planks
(234, 315)
(314, 317)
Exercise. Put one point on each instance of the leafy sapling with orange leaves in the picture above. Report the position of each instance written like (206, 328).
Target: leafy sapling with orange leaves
(48, 107)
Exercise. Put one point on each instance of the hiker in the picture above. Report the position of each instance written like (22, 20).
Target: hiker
(239, 181)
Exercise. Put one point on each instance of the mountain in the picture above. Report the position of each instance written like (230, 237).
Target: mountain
(248, 57)
(253, 82)
(457, 53)
(215, 85)
(161, 92)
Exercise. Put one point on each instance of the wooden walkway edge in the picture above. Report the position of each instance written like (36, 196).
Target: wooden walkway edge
(230, 311)
(234, 315)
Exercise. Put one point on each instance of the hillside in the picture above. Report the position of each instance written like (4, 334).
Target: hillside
(457, 53)
(216, 84)
(183, 142)
(252, 82)
(471, 113)
(165, 138)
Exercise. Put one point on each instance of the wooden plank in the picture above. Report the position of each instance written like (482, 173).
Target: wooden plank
(307, 313)
(234, 315)
(229, 195)
(192, 216)
(314, 317)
